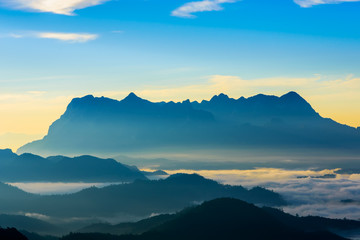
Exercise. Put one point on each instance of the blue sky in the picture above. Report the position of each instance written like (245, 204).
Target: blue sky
(51, 51)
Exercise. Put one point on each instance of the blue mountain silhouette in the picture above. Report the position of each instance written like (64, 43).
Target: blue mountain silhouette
(92, 125)
(30, 167)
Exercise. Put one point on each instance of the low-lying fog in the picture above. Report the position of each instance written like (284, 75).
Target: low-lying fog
(49, 188)
(310, 192)
(325, 193)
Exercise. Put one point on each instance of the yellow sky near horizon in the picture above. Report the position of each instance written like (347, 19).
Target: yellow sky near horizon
(27, 116)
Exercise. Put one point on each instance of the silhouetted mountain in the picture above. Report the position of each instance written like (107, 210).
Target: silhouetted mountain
(312, 223)
(128, 228)
(259, 109)
(220, 219)
(35, 236)
(11, 234)
(306, 224)
(155, 173)
(9, 191)
(102, 125)
(28, 224)
(29, 167)
(138, 199)
(229, 219)
(7, 155)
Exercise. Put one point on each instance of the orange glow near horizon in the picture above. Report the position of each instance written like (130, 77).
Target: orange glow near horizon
(27, 117)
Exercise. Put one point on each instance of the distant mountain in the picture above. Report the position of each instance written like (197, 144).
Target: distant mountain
(260, 109)
(28, 224)
(7, 155)
(155, 173)
(101, 125)
(29, 167)
(8, 192)
(129, 227)
(138, 199)
(220, 219)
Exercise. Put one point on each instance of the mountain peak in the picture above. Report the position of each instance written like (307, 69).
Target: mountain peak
(183, 178)
(220, 98)
(132, 97)
(292, 96)
(6, 153)
(294, 101)
(88, 97)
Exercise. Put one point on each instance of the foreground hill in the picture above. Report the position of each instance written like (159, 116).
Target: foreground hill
(11, 234)
(102, 125)
(220, 219)
(139, 199)
(29, 167)
(313, 223)
(307, 224)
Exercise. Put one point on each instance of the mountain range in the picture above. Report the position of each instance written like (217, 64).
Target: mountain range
(224, 218)
(28, 223)
(307, 223)
(138, 199)
(92, 125)
(30, 167)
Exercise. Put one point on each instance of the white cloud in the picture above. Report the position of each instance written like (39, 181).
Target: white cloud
(50, 188)
(37, 216)
(117, 31)
(306, 196)
(11, 35)
(187, 10)
(310, 3)
(14, 35)
(65, 7)
(68, 37)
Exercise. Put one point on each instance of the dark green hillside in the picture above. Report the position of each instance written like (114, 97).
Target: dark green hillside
(219, 219)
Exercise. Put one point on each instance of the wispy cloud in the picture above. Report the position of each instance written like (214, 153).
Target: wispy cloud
(14, 35)
(310, 3)
(64, 7)
(11, 35)
(117, 31)
(187, 10)
(61, 36)
(68, 37)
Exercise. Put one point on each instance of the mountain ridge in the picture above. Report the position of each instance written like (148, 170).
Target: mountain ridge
(85, 168)
(224, 218)
(102, 125)
(137, 199)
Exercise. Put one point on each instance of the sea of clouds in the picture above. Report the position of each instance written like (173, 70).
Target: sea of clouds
(308, 192)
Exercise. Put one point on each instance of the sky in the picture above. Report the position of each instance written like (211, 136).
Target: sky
(52, 51)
